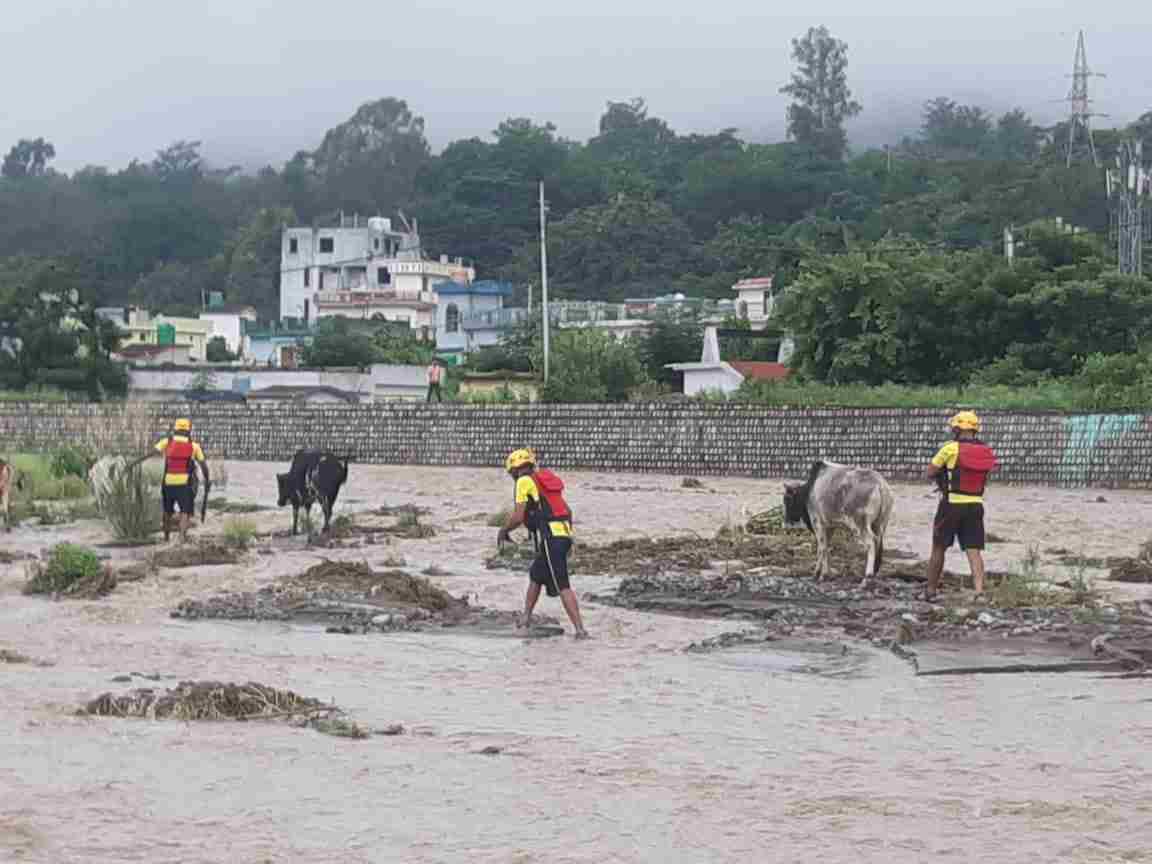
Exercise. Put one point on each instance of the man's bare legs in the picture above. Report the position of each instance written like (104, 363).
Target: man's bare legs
(530, 599)
(567, 599)
(935, 569)
(976, 562)
(572, 607)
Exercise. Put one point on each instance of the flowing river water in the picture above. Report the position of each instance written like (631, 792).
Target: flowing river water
(623, 748)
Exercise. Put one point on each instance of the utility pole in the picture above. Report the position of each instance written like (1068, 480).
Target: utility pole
(544, 273)
(1080, 116)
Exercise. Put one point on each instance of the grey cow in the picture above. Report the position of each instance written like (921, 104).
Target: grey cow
(841, 494)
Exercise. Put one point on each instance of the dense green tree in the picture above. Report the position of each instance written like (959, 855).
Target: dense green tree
(591, 365)
(28, 158)
(217, 351)
(821, 98)
(668, 340)
(955, 130)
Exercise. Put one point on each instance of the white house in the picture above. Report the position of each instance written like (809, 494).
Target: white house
(362, 269)
(755, 301)
(231, 322)
(713, 375)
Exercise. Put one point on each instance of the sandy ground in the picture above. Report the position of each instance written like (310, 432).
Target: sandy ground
(623, 748)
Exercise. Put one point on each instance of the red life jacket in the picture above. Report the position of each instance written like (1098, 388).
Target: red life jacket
(973, 465)
(178, 455)
(552, 506)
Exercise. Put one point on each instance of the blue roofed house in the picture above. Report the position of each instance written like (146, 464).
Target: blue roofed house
(472, 315)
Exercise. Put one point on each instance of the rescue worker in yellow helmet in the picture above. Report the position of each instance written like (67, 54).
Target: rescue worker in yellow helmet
(178, 490)
(541, 508)
(960, 469)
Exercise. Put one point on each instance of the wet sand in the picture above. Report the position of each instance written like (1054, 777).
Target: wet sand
(623, 748)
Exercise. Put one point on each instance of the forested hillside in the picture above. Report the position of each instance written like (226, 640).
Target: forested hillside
(638, 209)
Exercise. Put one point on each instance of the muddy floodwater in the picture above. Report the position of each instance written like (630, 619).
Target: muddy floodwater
(621, 748)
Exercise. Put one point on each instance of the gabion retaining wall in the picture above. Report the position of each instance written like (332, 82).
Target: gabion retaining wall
(1108, 450)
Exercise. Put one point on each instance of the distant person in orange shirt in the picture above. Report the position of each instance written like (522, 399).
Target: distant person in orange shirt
(435, 373)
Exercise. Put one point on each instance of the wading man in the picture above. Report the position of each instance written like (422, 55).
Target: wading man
(179, 487)
(960, 469)
(540, 507)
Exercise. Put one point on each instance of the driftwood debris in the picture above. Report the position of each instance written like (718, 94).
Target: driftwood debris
(1070, 666)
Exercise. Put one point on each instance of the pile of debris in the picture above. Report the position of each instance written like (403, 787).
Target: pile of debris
(202, 553)
(214, 701)
(335, 592)
(781, 553)
(351, 597)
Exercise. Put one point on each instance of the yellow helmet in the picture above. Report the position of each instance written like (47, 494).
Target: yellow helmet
(966, 421)
(182, 425)
(518, 458)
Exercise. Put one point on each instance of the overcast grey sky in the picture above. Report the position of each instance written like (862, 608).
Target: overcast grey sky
(112, 80)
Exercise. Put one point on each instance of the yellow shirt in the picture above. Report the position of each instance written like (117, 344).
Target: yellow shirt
(526, 491)
(946, 458)
(178, 479)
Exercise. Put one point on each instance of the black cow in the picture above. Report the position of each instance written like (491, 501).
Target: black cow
(315, 476)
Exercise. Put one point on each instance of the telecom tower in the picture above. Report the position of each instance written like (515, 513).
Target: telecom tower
(1080, 116)
(1129, 185)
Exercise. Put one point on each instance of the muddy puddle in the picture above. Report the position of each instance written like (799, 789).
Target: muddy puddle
(671, 735)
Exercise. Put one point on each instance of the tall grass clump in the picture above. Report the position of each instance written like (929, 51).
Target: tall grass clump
(239, 533)
(131, 503)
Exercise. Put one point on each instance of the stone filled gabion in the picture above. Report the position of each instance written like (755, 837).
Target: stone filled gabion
(1035, 448)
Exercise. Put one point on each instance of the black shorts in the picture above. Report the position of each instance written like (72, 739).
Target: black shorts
(550, 568)
(182, 496)
(963, 522)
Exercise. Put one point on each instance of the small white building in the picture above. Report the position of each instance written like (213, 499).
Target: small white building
(755, 301)
(362, 269)
(230, 322)
(381, 382)
(713, 375)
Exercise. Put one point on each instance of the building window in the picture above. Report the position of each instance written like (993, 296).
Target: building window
(327, 244)
(320, 273)
(451, 319)
(383, 277)
(307, 310)
(293, 245)
(307, 276)
(742, 310)
(376, 243)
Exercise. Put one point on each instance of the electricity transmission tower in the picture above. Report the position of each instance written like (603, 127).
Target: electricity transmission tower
(1129, 185)
(1080, 116)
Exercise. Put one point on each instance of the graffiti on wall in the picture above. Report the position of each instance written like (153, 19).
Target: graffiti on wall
(1083, 436)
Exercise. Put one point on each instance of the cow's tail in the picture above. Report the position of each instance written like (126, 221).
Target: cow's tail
(880, 525)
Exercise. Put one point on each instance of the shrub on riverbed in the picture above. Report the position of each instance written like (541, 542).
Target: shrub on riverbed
(41, 483)
(239, 533)
(70, 570)
(71, 461)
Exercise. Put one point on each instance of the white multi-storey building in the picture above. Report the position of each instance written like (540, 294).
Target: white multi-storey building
(362, 270)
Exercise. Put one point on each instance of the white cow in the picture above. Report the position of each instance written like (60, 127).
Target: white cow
(840, 494)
